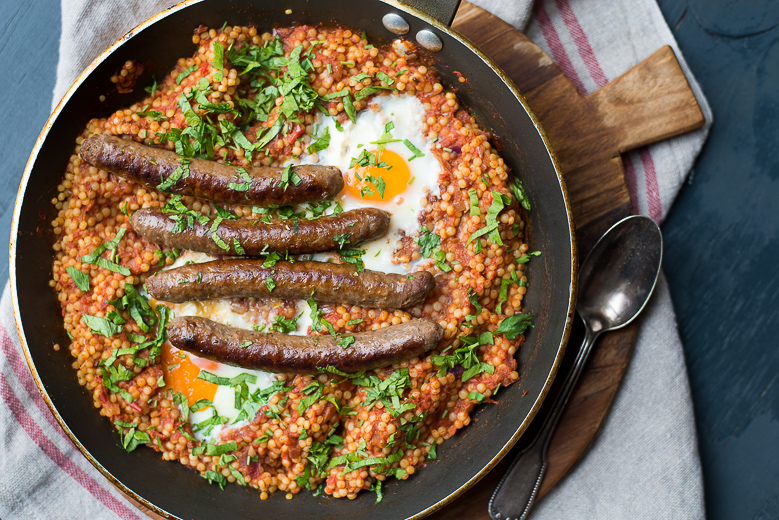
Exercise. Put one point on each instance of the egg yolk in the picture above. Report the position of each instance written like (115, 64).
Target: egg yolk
(362, 181)
(181, 374)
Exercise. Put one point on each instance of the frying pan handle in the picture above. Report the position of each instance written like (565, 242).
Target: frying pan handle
(441, 10)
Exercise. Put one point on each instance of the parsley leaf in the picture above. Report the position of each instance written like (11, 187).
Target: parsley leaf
(322, 142)
(474, 202)
(289, 175)
(499, 201)
(345, 341)
(313, 393)
(184, 73)
(153, 88)
(316, 315)
(80, 279)
(477, 396)
(284, 325)
(416, 151)
(245, 177)
(519, 193)
(181, 172)
(515, 325)
(95, 258)
(349, 108)
(101, 326)
(428, 242)
(354, 257)
(526, 258)
(218, 62)
(342, 239)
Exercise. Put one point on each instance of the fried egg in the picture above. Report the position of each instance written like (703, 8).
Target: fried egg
(390, 130)
(182, 369)
(388, 164)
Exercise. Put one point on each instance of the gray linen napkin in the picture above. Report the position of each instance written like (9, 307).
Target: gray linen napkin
(645, 462)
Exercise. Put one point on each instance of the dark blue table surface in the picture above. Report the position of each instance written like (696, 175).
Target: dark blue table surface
(722, 235)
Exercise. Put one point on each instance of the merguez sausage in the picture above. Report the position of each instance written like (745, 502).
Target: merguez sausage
(324, 282)
(303, 354)
(255, 237)
(210, 180)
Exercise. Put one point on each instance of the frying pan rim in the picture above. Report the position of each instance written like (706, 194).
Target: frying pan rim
(391, 3)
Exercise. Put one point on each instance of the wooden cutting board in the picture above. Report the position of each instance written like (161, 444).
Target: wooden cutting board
(650, 102)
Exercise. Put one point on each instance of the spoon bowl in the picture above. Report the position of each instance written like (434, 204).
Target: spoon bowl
(619, 274)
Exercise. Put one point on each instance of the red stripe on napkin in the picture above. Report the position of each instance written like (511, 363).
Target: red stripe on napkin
(55, 454)
(556, 46)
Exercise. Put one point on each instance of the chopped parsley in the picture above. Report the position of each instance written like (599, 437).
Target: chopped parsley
(428, 242)
(132, 438)
(474, 202)
(428, 246)
(477, 396)
(519, 193)
(466, 356)
(289, 175)
(284, 325)
(218, 62)
(151, 114)
(95, 256)
(316, 315)
(244, 176)
(526, 258)
(345, 341)
(499, 201)
(213, 476)
(80, 279)
(416, 151)
(153, 88)
(271, 260)
(321, 142)
(377, 182)
(384, 77)
(184, 73)
(354, 257)
(139, 307)
(181, 172)
(101, 326)
(226, 381)
(513, 326)
(342, 239)
(386, 137)
(388, 391)
(368, 91)
(313, 392)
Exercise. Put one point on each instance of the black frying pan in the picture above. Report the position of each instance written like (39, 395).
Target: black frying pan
(177, 492)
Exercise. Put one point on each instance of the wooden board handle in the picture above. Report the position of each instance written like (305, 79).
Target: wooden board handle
(650, 102)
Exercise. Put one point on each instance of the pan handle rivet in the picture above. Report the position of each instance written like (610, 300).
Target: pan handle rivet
(395, 23)
(429, 40)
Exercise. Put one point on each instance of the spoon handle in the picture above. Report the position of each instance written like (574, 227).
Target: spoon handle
(517, 490)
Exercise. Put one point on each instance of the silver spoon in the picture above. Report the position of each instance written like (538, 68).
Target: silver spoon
(615, 282)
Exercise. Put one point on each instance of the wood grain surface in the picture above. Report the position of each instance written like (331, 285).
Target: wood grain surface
(650, 102)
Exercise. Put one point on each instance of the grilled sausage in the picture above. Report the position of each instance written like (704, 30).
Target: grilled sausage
(324, 282)
(255, 237)
(208, 179)
(303, 354)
